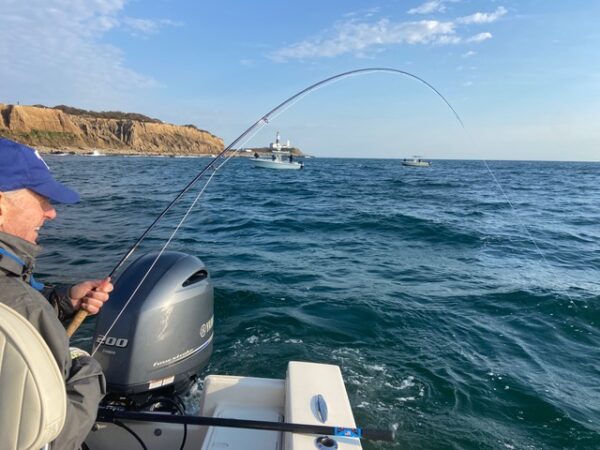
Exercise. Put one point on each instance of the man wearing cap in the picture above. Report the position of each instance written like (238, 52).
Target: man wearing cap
(27, 191)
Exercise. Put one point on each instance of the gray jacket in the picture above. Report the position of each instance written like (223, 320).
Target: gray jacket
(83, 376)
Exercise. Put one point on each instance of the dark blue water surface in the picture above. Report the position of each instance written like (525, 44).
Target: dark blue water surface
(455, 317)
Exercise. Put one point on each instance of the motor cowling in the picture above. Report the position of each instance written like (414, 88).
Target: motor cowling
(164, 335)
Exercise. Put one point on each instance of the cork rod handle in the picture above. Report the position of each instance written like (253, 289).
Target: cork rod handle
(76, 322)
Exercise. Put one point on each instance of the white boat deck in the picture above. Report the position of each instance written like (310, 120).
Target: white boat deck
(292, 400)
(242, 398)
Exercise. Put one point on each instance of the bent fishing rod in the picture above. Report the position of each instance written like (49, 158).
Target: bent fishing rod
(262, 121)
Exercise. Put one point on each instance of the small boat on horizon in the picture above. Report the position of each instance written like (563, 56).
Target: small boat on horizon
(415, 161)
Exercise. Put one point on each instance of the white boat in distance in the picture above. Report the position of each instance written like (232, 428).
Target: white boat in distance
(281, 157)
(415, 161)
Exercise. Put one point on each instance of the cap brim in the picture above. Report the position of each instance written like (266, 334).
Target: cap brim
(56, 192)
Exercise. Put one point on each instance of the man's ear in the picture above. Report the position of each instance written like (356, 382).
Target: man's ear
(2, 208)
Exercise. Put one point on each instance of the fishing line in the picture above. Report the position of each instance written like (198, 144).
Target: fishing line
(514, 211)
(248, 139)
(223, 157)
(245, 136)
(187, 213)
(507, 199)
(250, 132)
(164, 247)
(339, 77)
(523, 226)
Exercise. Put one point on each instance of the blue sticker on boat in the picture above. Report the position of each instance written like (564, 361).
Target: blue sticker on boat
(348, 432)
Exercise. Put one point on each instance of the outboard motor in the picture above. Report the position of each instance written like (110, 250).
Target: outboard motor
(164, 337)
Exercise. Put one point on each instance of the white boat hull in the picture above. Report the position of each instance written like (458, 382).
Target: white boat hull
(416, 163)
(280, 165)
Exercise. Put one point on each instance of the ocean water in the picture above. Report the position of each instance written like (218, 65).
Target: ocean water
(463, 312)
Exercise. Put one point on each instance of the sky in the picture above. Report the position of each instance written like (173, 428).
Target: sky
(523, 76)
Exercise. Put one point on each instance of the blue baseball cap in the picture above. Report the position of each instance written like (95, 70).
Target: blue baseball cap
(22, 167)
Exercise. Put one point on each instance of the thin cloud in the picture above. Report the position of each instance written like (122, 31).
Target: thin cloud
(469, 54)
(479, 38)
(429, 7)
(448, 40)
(362, 38)
(372, 11)
(480, 18)
(52, 52)
(363, 13)
(139, 26)
(357, 37)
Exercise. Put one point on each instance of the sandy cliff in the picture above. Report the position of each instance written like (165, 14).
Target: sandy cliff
(48, 129)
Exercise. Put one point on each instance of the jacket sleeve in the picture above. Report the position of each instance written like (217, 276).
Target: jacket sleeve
(85, 388)
(84, 381)
(58, 296)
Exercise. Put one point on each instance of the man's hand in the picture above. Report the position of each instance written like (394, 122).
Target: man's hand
(90, 295)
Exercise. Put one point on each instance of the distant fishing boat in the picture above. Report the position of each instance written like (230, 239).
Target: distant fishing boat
(415, 161)
(281, 157)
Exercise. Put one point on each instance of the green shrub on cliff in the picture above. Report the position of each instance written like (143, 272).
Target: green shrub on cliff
(52, 139)
(106, 114)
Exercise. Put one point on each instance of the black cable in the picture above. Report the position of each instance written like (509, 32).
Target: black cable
(133, 433)
(184, 436)
(176, 404)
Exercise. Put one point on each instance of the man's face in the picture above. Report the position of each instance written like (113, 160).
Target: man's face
(23, 213)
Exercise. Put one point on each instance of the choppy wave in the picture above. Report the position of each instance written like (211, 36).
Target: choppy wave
(457, 319)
